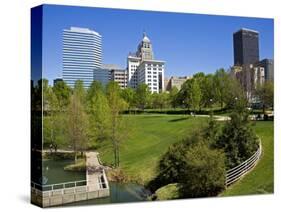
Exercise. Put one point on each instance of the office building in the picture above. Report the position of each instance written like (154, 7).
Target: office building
(250, 77)
(143, 68)
(246, 47)
(102, 75)
(120, 76)
(268, 65)
(175, 82)
(82, 53)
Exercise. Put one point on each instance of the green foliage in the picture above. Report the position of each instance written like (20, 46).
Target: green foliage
(261, 179)
(95, 87)
(172, 164)
(62, 92)
(142, 95)
(237, 139)
(128, 94)
(159, 100)
(265, 94)
(204, 172)
(195, 95)
(99, 118)
(173, 97)
(77, 123)
(79, 91)
(192, 163)
(235, 97)
(116, 105)
(221, 82)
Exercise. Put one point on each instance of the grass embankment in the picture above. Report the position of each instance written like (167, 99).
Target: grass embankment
(151, 135)
(260, 180)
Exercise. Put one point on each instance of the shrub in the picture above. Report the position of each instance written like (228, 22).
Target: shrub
(238, 140)
(204, 171)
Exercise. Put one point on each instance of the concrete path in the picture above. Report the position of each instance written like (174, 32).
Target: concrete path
(94, 171)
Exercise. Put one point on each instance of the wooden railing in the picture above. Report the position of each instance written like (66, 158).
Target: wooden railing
(234, 174)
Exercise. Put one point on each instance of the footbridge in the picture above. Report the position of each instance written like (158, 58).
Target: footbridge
(95, 186)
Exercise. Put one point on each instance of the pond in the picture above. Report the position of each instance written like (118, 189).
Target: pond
(53, 172)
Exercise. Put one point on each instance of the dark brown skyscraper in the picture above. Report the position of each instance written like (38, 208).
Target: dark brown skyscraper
(246, 46)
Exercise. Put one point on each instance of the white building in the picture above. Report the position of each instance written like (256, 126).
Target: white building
(82, 53)
(143, 68)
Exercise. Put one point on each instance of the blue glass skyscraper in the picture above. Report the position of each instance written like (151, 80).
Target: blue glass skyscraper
(82, 53)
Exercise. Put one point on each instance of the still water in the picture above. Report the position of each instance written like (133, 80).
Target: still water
(53, 172)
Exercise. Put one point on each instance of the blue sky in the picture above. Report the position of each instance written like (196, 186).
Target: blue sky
(189, 43)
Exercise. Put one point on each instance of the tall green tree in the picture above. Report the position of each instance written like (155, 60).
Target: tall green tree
(51, 120)
(79, 91)
(173, 97)
(265, 94)
(221, 79)
(128, 94)
(159, 100)
(78, 124)
(63, 93)
(116, 105)
(95, 87)
(142, 95)
(195, 95)
(99, 118)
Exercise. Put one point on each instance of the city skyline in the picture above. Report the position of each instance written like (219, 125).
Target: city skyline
(183, 48)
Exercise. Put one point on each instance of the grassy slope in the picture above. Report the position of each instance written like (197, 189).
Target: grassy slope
(151, 137)
(259, 180)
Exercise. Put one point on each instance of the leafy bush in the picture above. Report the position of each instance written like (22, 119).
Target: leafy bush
(204, 171)
(238, 140)
(192, 163)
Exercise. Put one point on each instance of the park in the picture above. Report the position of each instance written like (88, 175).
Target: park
(159, 146)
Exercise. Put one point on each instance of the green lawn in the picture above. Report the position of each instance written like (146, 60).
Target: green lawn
(150, 138)
(153, 134)
(260, 179)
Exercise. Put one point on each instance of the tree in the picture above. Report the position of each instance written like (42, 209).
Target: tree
(77, 122)
(208, 92)
(220, 82)
(51, 121)
(195, 95)
(116, 105)
(198, 168)
(204, 171)
(142, 95)
(79, 91)
(95, 87)
(234, 96)
(128, 94)
(159, 100)
(62, 92)
(265, 94)
(99, 117)
(173, 97)
(237, 140)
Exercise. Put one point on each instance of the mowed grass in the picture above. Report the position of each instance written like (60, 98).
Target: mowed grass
(150, 137)
(261, 179)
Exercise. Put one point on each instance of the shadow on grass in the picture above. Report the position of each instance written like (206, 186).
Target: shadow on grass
(179, 119)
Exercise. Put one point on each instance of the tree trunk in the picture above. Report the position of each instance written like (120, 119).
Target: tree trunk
(75, 157)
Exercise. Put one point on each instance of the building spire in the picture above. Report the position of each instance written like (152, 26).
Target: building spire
(143, 33)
